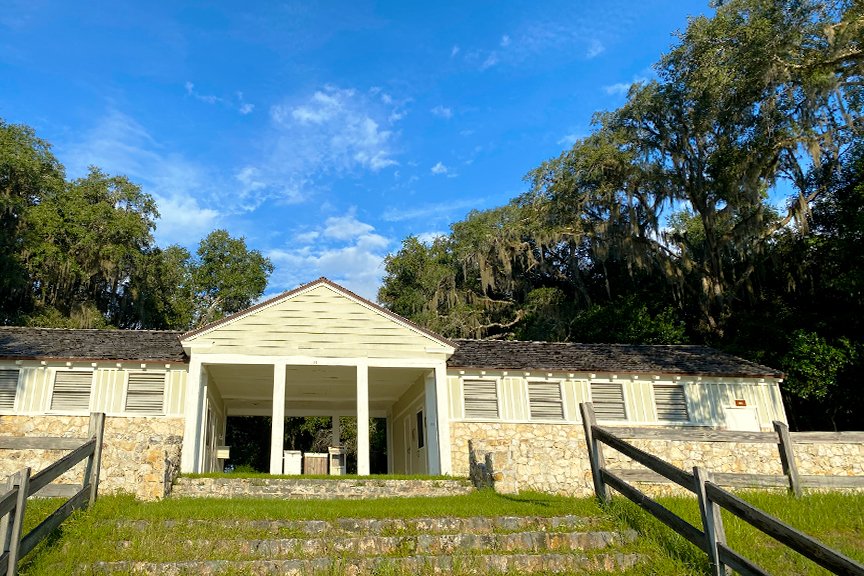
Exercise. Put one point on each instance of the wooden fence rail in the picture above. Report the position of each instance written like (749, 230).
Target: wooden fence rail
(21, 485)
(711, 539)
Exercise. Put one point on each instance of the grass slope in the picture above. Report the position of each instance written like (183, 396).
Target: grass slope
(836, 519)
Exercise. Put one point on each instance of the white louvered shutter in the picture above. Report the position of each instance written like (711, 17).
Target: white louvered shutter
(72, 391)
(8, 388)
(671, 403)
(481, 399)
(145, 392)
(608, 400)
(544, 400)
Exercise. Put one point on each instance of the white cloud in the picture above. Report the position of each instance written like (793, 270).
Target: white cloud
(454, 51)
(343, 249)
(430, 237)
(307, 237)
(505, 41)
(595, 48)
(346, 227)
(491, 60)
(618, 88)
(439, 168)
(237, 103)
(622, 88)
(569, 139)
(443, 210)
(334, 131)
(188, 195)
(442, 112)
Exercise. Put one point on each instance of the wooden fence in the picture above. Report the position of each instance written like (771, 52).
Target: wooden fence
(711, 539)
(21, 485)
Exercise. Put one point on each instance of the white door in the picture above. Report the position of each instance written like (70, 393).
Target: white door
(409, 453)
(743, 419)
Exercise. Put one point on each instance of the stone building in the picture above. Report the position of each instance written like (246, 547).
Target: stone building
(320, 350)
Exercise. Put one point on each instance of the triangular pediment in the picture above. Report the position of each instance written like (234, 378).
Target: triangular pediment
(319, 319)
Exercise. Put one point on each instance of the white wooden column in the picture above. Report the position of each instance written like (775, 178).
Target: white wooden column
(442, 395)
(192, 433)
(277, 432)
(363, 419)
(430, 413)
(336, 431)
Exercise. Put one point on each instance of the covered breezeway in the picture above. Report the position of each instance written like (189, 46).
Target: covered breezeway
(320, 351)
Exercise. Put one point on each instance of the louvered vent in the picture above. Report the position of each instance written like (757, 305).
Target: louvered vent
(671, 403)
(608, 400)
(145, 392)
(72, 391)
(544, 399)
(481, 399)
(8, 388)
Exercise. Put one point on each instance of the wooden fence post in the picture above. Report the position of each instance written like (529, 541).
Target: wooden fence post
(595, 451)
(94, 461)
(13, 522)
(712, 522)
(787, 457)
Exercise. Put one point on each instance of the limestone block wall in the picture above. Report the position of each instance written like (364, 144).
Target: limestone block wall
(829, 459)
(140, 455)
(542, 457)
(553, 457)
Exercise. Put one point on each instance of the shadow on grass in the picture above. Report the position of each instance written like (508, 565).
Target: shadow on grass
(658, 535)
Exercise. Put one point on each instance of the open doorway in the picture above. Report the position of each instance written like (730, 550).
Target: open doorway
(249, 439)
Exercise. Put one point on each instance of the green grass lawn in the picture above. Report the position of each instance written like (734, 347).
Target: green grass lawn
(836, 519)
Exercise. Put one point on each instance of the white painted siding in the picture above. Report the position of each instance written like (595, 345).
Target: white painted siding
(707, 397)
(320, 322)
(36, 382)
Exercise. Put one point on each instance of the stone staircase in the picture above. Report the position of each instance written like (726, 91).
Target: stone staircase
(477, 545)
(311, 489)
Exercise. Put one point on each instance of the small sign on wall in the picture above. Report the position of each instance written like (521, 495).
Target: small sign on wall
(740, 403)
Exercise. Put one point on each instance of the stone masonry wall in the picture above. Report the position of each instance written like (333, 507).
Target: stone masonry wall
(140, 455)
(553, 457)
(317, 489)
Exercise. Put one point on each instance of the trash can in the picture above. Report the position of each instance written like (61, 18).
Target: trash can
(337, 460)
(315, 463)
(293, 462)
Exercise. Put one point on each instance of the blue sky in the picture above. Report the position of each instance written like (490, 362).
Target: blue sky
(322, 132)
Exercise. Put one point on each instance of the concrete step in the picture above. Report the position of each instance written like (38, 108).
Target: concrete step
(387, 526)
(307, 489)
(369, 546)
(413, 565)
(419, 544)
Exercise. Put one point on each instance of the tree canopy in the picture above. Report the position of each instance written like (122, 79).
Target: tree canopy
(81, 254)
(720, 204)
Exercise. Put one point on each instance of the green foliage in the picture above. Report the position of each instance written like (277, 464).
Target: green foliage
(658, 227)
(813, 365)
(226, 277)
(80, 254)
(628, 321)
(28, 172)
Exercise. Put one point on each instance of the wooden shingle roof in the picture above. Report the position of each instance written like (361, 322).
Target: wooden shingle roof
(65, 344)
(22, 343)
(613, 358)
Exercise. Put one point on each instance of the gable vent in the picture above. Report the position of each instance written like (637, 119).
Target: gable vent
(608, 400)
(544, 400)
(72, 391)
(146, 392)
(8, 388)
(671, 403)
(481, 398)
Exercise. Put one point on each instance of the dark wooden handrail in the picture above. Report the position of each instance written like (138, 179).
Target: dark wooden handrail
(711, 539)
(22, 485)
